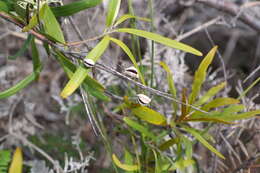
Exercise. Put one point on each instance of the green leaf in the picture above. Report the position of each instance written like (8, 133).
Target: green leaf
(3, 7)
(35, 57)
(211, 93)
(90, 85)
(149, 115)
(50, 24)
(5, 158)
(129, 16)
(200, 74)
(222, 101)
(128, 159)
(20, 85)
(249, 88)
(74, 7)
(233, 117)
(113, 9)
(82, 72)
(130, 55)
(124, 166)
(17, 162)
(160, 39)
(167, 144)
(23, 48)
(203, 141)
(135, 125)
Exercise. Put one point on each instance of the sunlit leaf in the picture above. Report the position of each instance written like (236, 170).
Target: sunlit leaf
(250, 114)
(74, 7)
(130, 55)
(160, 39)
(81, 72)
(113, 9)
(129, 16)
(210, 93)
(203, 141)
(135, 125)
(200, 74)
(128, 159)
(149, 115)
(17, 162)
(50, 24)
(124, 166)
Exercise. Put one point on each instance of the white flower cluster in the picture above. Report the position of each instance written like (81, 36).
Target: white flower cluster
(24, 3)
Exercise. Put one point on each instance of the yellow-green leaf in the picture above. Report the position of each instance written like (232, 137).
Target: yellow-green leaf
(149, 115)
(81, 72)
(200, 74)
(222, 101)
(233, 117)
(204, 142)
(160, 39)
(17, 162)
(210, 93)
(113, 9)
(124, 166)
(129, 16)
(135, 125)
(50, 24)
(130, 55)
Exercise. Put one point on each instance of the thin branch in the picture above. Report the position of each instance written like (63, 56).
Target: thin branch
(233, 10)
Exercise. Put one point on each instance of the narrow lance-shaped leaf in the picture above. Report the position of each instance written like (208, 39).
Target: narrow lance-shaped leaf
(200, 74)
(50, 24)
(113, 9)
(17, 162)
(204, 142)
(81, 72)
(130, 55)
(249, 88)
(74, 7)
(23, 48)
(143, 130)
(124, 166)
(160, 39)
(20, 85)
(89, 84)
(170, 83)
(129, 16)
(210, 93)
(149, 115)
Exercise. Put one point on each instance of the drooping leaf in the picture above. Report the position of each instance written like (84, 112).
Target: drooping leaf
(17, 162)
(210, 93)
(23, 48)
(129, 16)
(135, 125)
(74, 7)
(124, 166)
(130, 55)
(20, 85)
(81, 72)
(203, 141)
(200, 74)
(149, 115)
(113, 9)
(160, 39)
